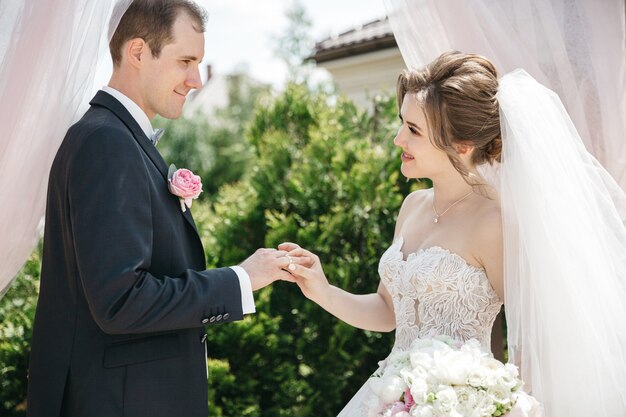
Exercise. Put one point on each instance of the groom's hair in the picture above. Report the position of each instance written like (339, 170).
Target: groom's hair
(153, 20)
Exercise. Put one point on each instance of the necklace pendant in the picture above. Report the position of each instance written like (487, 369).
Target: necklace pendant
(436, 220)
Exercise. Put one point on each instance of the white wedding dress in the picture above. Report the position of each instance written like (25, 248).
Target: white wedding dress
(435, 292)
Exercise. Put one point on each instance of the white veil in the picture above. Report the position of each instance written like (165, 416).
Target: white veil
(563, 214)
(50, 52)
(565, 257)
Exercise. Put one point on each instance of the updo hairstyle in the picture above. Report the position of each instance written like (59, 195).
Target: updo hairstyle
(458, 94)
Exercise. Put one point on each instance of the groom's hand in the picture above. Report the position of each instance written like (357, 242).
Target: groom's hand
(309, 275)
(268, 265)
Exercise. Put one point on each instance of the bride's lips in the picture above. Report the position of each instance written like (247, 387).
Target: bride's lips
(406, 157)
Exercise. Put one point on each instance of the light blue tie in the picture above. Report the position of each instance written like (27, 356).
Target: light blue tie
(156, 135)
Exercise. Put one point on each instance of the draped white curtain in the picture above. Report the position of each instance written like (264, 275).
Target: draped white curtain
(577, 48)
(50, 52)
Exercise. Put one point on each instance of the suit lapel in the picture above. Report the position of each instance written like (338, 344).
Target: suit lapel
(106, 100)
(187, 215)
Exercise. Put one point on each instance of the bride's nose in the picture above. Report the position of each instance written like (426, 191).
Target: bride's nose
(397, 140)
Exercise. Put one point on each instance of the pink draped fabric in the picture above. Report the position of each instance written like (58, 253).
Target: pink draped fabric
(49, 54)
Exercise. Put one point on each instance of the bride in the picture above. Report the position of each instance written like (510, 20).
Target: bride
(540, 231)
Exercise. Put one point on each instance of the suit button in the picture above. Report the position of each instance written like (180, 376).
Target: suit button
(219, 317)
(205, 320)
(212, 319)
(226, 316)
(203, 338)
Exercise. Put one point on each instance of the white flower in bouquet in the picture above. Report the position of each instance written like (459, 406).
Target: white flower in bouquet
(392, 389)
(439, 377)
(376, 384)
(474, 403)
(509, 377)
(397, 362)
(454, 366)
(425, 411)
(422, 362)
(468, 402)
(446, 402)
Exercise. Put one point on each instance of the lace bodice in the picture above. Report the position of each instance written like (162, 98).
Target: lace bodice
(436, 291)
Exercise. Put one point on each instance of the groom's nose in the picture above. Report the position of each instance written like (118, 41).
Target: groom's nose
(193, 78)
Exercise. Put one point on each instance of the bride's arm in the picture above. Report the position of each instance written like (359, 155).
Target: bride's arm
(365, 311)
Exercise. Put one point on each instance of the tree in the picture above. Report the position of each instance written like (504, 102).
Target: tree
(213, 146)
(295, 45)
(326, 176)
(17, 311)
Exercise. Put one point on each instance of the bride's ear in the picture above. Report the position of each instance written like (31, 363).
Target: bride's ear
(464, 150)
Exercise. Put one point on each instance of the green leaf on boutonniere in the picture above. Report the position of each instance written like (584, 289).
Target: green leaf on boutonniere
(171, 171)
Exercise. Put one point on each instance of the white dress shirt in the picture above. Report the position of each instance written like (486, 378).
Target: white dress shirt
(247, 299)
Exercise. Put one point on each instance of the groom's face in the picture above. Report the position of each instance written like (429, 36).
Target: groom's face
(168, 79)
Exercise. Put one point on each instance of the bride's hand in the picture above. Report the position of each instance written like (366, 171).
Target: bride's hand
(309, 276)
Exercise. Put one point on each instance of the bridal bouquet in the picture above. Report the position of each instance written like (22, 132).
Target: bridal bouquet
(440, 377)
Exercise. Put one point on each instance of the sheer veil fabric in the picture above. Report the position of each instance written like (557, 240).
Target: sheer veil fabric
(563, 213)
(50, 52)
(565, 257)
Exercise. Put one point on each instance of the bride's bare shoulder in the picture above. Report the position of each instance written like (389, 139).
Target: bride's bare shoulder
(416, 199)
(412, 203)
(488, 214)
(487, 225)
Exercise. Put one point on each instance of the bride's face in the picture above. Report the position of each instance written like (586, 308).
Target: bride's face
(420, 159)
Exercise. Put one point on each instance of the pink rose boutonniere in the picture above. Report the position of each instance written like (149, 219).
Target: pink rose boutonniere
(185, 185)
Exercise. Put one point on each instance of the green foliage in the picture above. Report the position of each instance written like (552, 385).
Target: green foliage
(326, 176)
(321, 173)
(17, 311)
(295, 44)
(213, 146)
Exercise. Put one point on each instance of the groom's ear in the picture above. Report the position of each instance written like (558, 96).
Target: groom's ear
(136, 50)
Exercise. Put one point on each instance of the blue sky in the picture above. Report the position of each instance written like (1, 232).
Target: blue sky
(241, 32)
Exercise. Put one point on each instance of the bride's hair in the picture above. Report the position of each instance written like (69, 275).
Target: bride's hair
(458, 95)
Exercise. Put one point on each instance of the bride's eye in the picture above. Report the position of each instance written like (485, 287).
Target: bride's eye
(412, 130)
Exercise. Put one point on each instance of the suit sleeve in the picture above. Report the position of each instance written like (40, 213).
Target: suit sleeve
(110, 211)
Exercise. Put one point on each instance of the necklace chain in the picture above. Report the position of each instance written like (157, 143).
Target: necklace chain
(437, 215)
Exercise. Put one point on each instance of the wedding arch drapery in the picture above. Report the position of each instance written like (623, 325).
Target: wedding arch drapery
(50, 52)
(577, 48)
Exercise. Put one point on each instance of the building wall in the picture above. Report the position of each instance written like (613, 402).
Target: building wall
(364, 76)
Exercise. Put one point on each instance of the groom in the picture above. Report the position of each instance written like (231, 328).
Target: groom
(124, 298)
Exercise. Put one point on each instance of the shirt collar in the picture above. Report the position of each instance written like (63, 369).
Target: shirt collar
(135, 111)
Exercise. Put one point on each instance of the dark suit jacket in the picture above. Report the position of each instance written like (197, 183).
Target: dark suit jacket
(119, 328)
